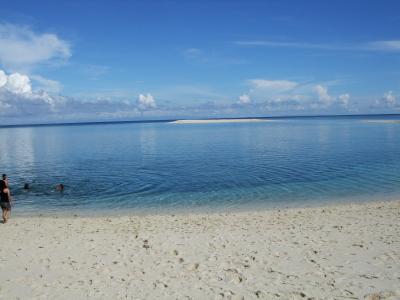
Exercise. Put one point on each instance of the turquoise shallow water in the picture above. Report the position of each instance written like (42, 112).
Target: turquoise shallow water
(117, 168)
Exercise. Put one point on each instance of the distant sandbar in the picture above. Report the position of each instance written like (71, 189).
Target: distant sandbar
(383, 121)
(218, 121)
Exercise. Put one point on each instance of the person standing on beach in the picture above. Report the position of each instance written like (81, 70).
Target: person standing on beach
(5, 198)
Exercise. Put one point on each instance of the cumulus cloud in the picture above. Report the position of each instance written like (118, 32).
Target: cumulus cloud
(19, 84)
(20, 100)
(17, 97)
(22, 49)
(244, 99)
(3, 78)
(146, 102)
(286, 95)
(323, 95)
(325, 100)
(344, 99)
(388, 100)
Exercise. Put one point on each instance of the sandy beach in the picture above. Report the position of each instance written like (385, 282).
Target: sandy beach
(336, 252)
(210, 121)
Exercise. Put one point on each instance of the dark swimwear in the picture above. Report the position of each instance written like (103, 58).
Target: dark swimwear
(5, 205)
(4, 199)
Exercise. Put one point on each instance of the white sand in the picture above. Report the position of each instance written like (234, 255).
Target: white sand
(383, 121)
(218, 121)
(338, 252)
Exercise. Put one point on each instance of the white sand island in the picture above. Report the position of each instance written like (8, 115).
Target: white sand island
(208, 121)
(383, 121)
(335, 252)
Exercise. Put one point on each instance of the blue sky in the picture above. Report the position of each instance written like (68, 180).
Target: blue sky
(114, 60)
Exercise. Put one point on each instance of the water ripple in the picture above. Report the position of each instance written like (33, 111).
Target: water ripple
(135, 166)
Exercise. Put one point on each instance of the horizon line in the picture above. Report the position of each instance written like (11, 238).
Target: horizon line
(171, 120)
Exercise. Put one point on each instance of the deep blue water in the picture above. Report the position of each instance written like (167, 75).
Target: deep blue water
(115, 168)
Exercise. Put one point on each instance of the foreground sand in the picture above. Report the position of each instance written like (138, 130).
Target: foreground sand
(341, 252)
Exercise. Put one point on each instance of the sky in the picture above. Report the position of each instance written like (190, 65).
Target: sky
(77, 61)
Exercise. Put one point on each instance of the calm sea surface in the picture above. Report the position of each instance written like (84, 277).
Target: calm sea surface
(147, 167)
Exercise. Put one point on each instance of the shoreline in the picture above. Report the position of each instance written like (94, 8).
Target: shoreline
(348, 250)
(200, 210)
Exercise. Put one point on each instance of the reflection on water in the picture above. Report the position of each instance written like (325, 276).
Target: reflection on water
(115, 167)
(19, 146)
(148, 139)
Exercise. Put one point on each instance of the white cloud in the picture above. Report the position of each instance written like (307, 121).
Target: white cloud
(22, 49)
(344, 99)
(17, 98)
(20, 101)
(146, 102)
(244, 99)
(19, 84)
(381, 46)
(4, 107)
(48, 85)
(261, 43)
(3, 78)
(273, 85)
(285, 95)
(388, 100)
(283, 104)
(323, 95)
(393, 45)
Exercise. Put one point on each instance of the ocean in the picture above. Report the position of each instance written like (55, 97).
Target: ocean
(118, 168)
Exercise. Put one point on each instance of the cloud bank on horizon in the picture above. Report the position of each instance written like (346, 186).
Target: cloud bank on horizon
(19, 101)
(47, 78)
